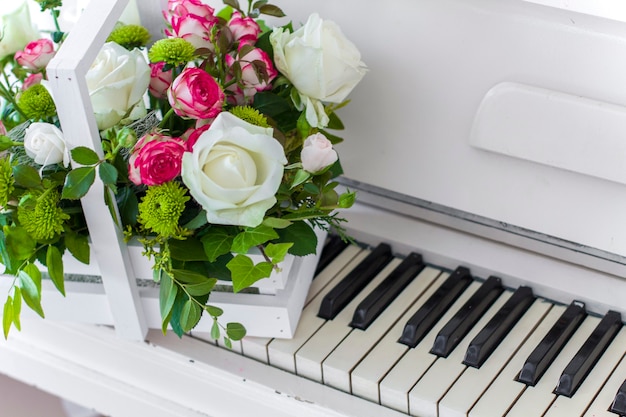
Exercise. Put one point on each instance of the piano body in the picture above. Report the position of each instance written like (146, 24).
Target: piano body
(489, 135)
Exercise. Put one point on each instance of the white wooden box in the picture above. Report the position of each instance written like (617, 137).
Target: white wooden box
(113, 296)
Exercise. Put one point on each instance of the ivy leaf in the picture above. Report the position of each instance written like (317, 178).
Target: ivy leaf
(167, 295)
(190, 315)
(108, 173)
(235, 331)
(216, 244)
(26, 176)
(20, 245)
(85, 156)
(30, 294)
(78, 245)
(303, 237)
(7, 316)
(78, 182)
(201, 288)
(245, 272)
(250, 238)
(277, 251)
(54, 262)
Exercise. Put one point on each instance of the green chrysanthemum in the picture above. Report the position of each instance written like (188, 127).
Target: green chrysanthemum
(36, 103)
(130, 36)
(45, 219)
(250, 115)
(172, 51)
(7, 181)
(161, 208)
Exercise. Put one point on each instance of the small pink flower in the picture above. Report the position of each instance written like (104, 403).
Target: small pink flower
(317, 153)
(245, 30)
(156, 159)
(36, 54)
(257, 73)
(160, 80)
(194, 94)
(31, 80)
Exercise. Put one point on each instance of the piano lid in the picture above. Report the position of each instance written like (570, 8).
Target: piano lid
(507, 110)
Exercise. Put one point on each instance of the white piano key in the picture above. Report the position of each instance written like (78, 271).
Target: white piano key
(505, 390)
(583, 397)
(282, 352)
(474, 382)
(256, 347)
(348, 354)
(536, 400)
(600, 405)
(310, 356)
(395, 386)
(433, 385)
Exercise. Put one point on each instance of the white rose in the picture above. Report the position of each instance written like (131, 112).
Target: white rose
(117, 80)
(318, 60)
(16, 28)
(234, 171)
(45, 144)
(317, 153)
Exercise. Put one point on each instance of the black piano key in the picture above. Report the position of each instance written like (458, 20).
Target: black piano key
(386, 292)
(427, 316)
(467, 316)
(332, 248)
(619, 403)
(588, 354)
(485, 342)
(552, 343)
(338, 297)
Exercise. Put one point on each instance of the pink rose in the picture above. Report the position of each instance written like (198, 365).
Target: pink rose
(257, 73)
(31, 80)
(244, 29)
(160, 80)
(186, 7)
(194, 94)
(156, 159)
(194, 29)
(317, 153)
(36, 54)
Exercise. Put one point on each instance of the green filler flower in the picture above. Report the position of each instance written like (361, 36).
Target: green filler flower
(161, 208)
(45, 219)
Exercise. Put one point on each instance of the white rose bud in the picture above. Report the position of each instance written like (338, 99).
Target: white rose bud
(16, 28)
(45, 144)
(317, 153)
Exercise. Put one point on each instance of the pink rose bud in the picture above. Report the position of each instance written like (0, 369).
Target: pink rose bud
(257, 73)
(194, 135)
(160, 80)
(156, 159)
(317, 153)
(36, 54)
(194, 94)
(187, 7)
(245, 30)
(31, 80)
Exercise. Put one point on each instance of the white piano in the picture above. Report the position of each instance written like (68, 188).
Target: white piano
(488, 135)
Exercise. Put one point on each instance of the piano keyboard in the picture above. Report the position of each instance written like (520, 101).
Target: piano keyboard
(434, 343)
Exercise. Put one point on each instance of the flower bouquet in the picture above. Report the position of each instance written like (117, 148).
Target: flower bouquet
(216, 141)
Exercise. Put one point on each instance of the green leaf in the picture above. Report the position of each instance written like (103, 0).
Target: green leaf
(271, 10)
(54, 262)
(128, 205)
(188, 277)
(276, 223)
(4, 253)
(217, 243)
(300, 177)
(111, 204)
(7, 316)
(108, 173)
(303, 237)
(197, 222)
(85, 156)
(20, 245)
(30, 294)
(235, 331)
(189, 249)
(17, 307)
(277, 251)
(250, 238)
(190, 315)
(215, 330)
(167, 295)
(26, 176)
(228, 342)
(346, 200)
(35, 274)
(201, 288)
(334, 122)
(78, 182)
(214, 311)
(5, 143)
(245, 272)
(78, 245)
